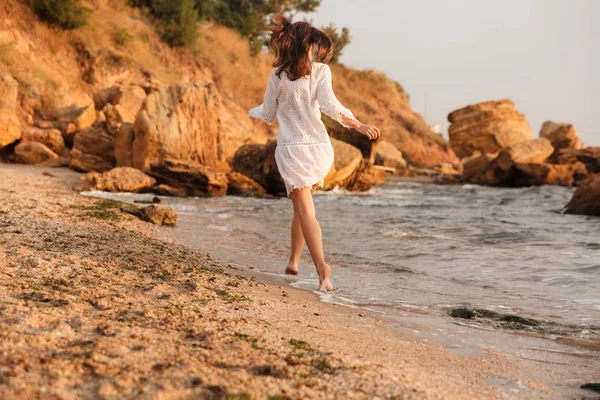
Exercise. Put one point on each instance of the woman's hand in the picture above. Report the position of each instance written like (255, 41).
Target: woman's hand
(372, 132)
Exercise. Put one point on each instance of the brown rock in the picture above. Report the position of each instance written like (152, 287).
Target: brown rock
(271, 178)
(241, 185)
(52, 138)
(590, 157)
(548, 174)
(364, 177)
(586, 199)
(248, 160)
(93, 150)
(166, 190)
(10, 128)
(124, 145)
(347, 159)
(179, 122)
(356, 139)
(487, 127)
(120, 179)
(155, 214)
(33, 153)
(123, 107)
(196, 179)
(237, 130)
(562, 136)
(55, 162)
(475, 165)
(388, 155)
(501, 170)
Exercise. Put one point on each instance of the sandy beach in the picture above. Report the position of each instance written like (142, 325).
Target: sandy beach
(96, 304)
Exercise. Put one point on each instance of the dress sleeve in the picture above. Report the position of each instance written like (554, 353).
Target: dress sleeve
(267, 111)
(328, 102)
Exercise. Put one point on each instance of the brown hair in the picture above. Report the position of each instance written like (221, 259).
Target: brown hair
(291, 44)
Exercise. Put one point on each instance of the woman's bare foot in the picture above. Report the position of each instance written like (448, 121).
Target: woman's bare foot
(292, 269)
(324, 283)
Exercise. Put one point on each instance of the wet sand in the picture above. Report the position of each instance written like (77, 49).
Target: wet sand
(97, 304)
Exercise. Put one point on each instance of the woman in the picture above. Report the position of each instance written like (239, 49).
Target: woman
(298, 90)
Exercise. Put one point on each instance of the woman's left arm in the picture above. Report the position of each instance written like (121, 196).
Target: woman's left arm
(267, 111)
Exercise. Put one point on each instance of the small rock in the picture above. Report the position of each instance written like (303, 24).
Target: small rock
(155, 214)
(462, 312)
(33, 153)
(594, 387)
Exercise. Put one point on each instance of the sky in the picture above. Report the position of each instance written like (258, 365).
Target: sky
(542, 54)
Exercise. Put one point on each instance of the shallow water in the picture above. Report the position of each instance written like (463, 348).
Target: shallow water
(422, 246)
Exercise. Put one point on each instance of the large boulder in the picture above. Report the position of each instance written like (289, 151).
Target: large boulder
(364, 177)
(51, 138)
(501, 170)
(476, 164)
(248, 160)
(179, 122)
(271, 178)
(196, 179)
(590, 157)
(10, 128)
(586, 199)
(241, 185)
(237, 130)
(120, 179)
(487, 127)
(33, 153)
(388, 155)
(346, 160)
(548, 174)
(93, 150)
(562, 136)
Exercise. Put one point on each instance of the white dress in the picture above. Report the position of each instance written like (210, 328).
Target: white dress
(304, 154)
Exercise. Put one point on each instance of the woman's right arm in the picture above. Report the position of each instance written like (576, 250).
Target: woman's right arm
(331, 106)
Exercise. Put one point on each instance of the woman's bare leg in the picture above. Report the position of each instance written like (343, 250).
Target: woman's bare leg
(297, 246)
(304, 210)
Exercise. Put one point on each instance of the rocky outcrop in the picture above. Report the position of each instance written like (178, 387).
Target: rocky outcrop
(501, 170)
(476, 164)
(51, 138)
(241, 185)
(346, 160)
(487, 127)
(271, 178)
(123, 107)
(120, 179)
(166, 190)
(76, 117)
(155, 214)
(179, 122)
(10, 128)
(248, 160)
(364, 177)
(562, 136)
(590, 157)
(388, 155)
(196, 179)
(33, 153)
(586, 199)
(93, 150)
(237, 130)
(527, 174)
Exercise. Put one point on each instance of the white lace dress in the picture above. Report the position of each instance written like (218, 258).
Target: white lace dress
(304, 154)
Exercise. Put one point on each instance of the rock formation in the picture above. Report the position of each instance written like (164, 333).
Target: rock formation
(241, 185)
(178, 122)
(586, 199)
(93, 150)
(487, 127)
(562, 136)
(51, 138)
(196, 179)
(155, 214)
(528, 174)
(388, 155)
(501, 170)
(10, 128)
(120, 179)
(346, 160)
(33, 153)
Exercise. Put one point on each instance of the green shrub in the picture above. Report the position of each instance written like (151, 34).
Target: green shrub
(339, 39)
(65, 14)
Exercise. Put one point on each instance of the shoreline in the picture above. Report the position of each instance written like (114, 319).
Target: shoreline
(232, 331)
